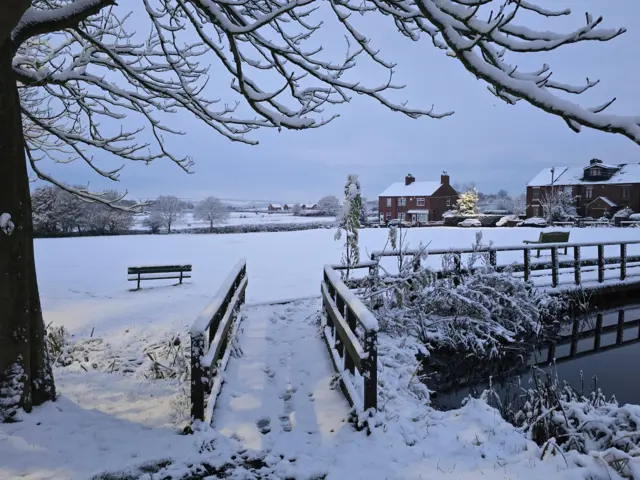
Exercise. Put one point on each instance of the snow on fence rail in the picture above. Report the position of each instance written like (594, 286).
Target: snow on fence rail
(345, 316)
(527, 266)
(210, 338)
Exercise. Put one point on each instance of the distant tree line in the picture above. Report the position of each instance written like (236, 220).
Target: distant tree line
(57, 212)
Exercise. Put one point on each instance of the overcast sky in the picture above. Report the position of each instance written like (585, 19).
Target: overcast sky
(486, 141)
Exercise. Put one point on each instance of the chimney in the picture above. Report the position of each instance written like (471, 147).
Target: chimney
(409, 179)
(444, 178)
(595, 161)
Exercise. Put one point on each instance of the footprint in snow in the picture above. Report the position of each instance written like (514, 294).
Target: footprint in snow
(285, 423)
(264, 425)
(270, 373)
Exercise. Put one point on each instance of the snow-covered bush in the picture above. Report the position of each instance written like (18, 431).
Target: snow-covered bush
(350, 222)
(556, 415)
(557, 205)
(475, 312)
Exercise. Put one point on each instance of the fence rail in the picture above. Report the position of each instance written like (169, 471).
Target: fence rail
(346, 318)
(210, 337)
(577, 264)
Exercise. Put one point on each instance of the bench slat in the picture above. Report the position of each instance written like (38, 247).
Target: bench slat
(159, 269)
(135, 279)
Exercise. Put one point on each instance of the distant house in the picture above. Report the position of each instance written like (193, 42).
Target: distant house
(596, 189)
(274, 207)
(417, 202)
(309, 206)
(286, 207)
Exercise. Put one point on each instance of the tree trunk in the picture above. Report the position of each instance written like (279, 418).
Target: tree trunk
(25, 372)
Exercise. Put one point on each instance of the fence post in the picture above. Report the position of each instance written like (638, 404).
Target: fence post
(197, 372)
(493, 258)
(623, 261)
(576, 265)
(598, 332)
(600, 263)
(370, 374)
(554, 266)
(351, 321)
(620, 329)
(574, 337)
(527, 264)
(458, 268)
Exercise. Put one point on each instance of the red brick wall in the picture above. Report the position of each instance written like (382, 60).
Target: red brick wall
(435, 204)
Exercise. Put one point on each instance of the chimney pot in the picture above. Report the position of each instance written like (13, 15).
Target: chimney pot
(444, 179)
(409, 179)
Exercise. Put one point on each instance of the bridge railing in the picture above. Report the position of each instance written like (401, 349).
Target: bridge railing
(210, 338)
(351, 335)
(577, 264)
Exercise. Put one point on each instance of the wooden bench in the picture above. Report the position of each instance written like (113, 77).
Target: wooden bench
(151, 272)
(550, 237)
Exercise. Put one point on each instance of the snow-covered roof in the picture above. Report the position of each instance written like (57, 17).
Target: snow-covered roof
(606, 200)
(627, 173)
(275, 205)
(415, 189)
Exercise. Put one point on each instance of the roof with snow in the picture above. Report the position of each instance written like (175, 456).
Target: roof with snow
(627, 173)
(605, 200)
(415, 189)
(275, 205)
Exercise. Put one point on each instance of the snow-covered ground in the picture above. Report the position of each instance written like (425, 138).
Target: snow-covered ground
(111, 417)
(240, 218)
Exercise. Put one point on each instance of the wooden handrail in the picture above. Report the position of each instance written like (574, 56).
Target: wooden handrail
(210, 339)
(345, 314)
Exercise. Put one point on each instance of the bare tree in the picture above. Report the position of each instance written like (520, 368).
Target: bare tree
(329, 205)
(296, 209)
(170, 208)
(154, 222)
(211, 210)
(80, 69)
(557, 204)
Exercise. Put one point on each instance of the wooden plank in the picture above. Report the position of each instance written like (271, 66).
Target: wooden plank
(351, 343)
(160, 269)
(334, 362)
(158, 278)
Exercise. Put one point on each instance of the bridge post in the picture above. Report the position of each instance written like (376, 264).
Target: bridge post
(493, 258)
(527, 264)
(554, 266)
(371, 372)
(197, 372)
(598, 333)
(623, 261)
(600, 263)
(576, 265)
(620, 329)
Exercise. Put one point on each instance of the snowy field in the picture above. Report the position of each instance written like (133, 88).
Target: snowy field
(110, 417)
(240, 218)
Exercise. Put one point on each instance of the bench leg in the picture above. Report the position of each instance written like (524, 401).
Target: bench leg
(538, 254)
(138, 282)
(180, 278)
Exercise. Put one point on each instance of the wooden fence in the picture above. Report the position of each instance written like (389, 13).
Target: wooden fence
(577, 265)
(351, 335)
(210, 337)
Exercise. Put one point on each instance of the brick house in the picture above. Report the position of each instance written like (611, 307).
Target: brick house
(417, 202)
(597, 189)
(274, 207)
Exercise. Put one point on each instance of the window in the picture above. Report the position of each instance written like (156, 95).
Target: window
(448, 202)
(596, 172)
(402, 202)
(389, 200)
(588, 192)
(536, 211)
(422, 217)
(420, 201)
(536, 193)
(626, 193)
(388, 215)
(401, 216)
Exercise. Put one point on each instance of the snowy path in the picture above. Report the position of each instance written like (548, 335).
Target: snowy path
(278, 393)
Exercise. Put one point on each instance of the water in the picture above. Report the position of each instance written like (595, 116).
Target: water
(603, 344)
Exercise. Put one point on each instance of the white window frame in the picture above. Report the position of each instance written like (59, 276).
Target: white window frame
(388, 215)
(401, 216)
(402, 202)
(626, 192)
(596, 171)
(588, 192)
(448, 202)
(535, 210)
(389, 202)
(535, 193)
(420, 202)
